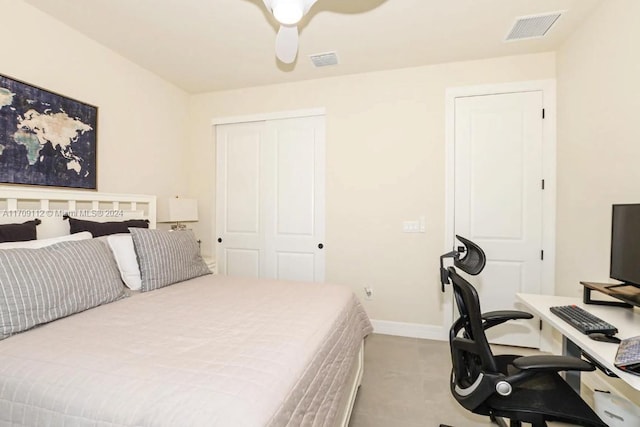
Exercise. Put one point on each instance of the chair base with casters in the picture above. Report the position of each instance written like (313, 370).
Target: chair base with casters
(507, 387)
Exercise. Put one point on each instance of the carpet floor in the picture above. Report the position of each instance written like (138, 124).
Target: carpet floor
(406, 384)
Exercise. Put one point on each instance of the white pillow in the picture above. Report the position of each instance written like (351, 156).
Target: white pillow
(125, 254)
(41, 243)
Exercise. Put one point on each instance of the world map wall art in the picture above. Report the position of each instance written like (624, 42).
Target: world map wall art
(46, 138)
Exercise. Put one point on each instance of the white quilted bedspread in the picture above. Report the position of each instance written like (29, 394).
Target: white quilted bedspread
(211, 351)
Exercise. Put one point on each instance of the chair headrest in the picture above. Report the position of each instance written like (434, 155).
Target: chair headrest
(474, 260)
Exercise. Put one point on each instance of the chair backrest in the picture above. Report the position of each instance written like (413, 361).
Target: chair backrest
(475, 372)
(470, 321)
(473, 262)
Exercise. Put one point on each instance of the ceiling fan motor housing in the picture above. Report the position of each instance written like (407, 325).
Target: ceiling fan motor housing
(288, 12)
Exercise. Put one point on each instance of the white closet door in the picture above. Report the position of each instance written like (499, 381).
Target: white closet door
(294, 199)
(270, 199)
(240, 250)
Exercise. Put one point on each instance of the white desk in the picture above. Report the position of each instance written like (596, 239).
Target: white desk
(627, 320)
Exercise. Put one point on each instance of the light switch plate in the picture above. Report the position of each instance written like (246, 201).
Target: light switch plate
(411, 227)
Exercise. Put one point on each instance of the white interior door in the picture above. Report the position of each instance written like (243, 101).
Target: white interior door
(498, 200)
(270, 199)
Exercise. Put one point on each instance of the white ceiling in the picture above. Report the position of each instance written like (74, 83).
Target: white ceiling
(206, 45)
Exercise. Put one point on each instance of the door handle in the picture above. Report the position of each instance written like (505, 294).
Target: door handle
(219, 239)
(320, 246)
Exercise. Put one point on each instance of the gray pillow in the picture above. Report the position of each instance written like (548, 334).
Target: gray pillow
(44, 284)
(167, 257)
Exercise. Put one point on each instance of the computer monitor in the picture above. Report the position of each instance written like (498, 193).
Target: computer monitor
(625, 244)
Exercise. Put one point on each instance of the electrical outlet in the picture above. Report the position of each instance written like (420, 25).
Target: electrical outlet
(368, 293)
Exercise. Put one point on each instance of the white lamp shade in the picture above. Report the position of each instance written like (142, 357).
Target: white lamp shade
(178, 210)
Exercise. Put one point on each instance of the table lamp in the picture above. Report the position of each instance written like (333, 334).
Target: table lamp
(178, 211)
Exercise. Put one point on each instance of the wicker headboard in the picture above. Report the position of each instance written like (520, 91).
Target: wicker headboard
(19, 204)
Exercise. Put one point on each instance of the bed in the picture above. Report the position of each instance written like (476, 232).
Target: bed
(212, 350)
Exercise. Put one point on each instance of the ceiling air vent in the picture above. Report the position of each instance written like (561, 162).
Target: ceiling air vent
(531, 27)
(324, 59)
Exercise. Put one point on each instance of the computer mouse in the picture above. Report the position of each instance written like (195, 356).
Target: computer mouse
(599, 336)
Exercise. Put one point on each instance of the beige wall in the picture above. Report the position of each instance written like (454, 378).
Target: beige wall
(385, 164)
(385, 144)
(141, 118)
(598, 146)
(598, 138)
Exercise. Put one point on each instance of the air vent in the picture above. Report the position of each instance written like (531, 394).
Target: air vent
(531, 27)
(324, 59)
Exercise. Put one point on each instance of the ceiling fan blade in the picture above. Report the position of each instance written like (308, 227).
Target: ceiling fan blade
(307, 5)
(287, 44)
(268, 4)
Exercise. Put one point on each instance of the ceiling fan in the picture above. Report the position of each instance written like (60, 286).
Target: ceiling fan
(288, 13)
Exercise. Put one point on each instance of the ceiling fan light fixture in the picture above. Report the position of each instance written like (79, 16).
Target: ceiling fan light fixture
(288, 12)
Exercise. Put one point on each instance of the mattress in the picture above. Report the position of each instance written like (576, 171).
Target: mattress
(212, 351)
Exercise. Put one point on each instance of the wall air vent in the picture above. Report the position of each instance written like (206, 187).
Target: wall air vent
(531, 27)
(324, 59)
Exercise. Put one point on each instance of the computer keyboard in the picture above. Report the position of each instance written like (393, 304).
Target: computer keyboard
(583, 321)
(628, 355)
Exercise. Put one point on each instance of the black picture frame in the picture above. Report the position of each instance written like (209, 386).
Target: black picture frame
(46, 138)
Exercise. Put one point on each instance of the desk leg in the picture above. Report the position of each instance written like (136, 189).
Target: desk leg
(570, 349)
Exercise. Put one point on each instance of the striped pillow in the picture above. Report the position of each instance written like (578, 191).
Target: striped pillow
(44, 284)
(167, 257)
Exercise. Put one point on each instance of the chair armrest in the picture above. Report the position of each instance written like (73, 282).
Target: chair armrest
(493, 318)
(552, 363)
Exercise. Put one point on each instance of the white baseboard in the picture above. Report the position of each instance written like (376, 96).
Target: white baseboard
(410, 330)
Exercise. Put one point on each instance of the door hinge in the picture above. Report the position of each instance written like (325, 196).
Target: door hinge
(543, 184)
(542, 254)
(543, 113)
(540, 324)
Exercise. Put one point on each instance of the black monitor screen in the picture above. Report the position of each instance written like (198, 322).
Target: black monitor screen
(625, 243)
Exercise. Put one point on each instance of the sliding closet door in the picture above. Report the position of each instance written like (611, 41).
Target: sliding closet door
(241, 244)
(294, 199)
(274, 225)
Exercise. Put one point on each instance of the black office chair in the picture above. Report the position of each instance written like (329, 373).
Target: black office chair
(519, 389)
